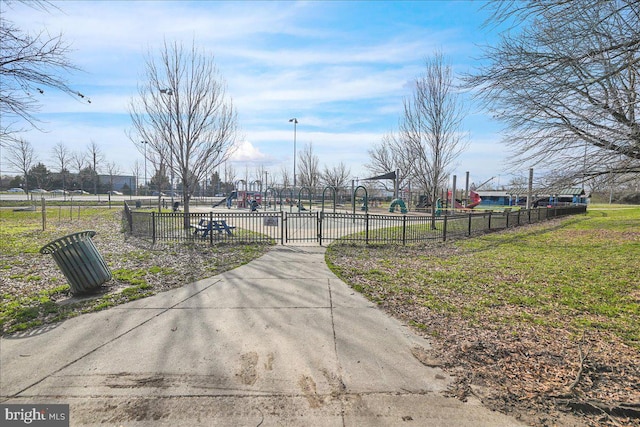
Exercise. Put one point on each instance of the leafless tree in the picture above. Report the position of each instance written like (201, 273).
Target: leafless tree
(96, 157)
(259, 175)
(565, 81)
(79, 162)
(183, 100)
(308, 170)
(391, 155)
(285, 177)
(112, 169)
(229, 177)
(431, 126)
(62, 156)
(20, 154)
(336, 176)
(29, 64)
(158, 159)
(136, 171)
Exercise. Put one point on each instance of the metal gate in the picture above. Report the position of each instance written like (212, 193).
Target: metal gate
(301, 227)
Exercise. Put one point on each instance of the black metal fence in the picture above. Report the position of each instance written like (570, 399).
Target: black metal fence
(323, 227)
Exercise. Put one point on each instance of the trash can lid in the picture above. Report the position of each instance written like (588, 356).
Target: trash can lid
(63, 241)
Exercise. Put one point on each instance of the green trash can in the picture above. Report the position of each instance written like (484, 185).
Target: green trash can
(80, 261)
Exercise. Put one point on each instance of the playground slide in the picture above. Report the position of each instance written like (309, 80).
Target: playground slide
(226, 200)
(475, 201)
(219, 202)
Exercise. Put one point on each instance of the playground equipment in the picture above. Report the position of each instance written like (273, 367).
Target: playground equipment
(333, 189)
(474, 197)
(399, 203)
(365, 206)
(300, 207)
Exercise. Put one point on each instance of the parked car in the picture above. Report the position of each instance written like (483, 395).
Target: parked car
(114, 193)
(155, 193)
(38, 190)
(59, 191)
(15, 190)
(79, 192)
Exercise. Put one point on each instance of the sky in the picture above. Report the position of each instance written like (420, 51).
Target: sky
(341, 68)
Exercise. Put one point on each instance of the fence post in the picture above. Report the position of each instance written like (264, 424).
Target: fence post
(211, 228)
(320, 218)
(404, 230)
(489, 224)
(283, 230)
(366, 228)
(444, 229)
(153, 227)
(469, 231)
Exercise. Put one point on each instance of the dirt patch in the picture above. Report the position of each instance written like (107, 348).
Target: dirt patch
(310, 392)
(247, 372)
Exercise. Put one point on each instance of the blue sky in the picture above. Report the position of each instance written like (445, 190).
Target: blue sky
(341, 68)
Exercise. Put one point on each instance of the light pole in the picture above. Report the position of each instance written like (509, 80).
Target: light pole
(145, 168)
(295, 123)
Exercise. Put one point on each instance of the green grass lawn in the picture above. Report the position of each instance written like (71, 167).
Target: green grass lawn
(582, 274)
(520, 312)
(32, 287)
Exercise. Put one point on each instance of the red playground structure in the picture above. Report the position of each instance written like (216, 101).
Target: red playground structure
(474, 200)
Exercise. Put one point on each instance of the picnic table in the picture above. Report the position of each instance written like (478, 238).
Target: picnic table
(206, 226)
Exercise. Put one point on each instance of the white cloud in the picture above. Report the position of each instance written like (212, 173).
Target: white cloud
(247, 153)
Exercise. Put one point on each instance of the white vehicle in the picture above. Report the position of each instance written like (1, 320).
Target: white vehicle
(15, 190)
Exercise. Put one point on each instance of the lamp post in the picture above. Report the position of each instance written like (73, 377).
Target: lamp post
(295, 123)
(145, 168)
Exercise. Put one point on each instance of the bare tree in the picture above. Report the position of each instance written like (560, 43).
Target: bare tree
(112, 169)
(285, 177)
(309, 169)
(20, 154)
(565, 81)
(79, 162)
(182, 109)
(29, 64)
(229, 178)
(259, 174)
(430, 126)
(95, 157)
(135, 170)
(336, 176)
(392, 155)
(62, 156)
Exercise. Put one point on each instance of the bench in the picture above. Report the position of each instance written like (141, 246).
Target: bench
(206, 226)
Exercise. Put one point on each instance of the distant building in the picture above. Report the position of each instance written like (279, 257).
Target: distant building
(518, 197)
(120, 182)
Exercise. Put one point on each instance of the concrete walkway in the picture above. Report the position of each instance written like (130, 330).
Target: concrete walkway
(280, 341)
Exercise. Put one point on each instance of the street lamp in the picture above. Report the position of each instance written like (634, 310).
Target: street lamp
(295, 122)
(145, 168)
